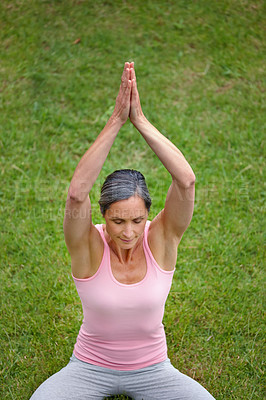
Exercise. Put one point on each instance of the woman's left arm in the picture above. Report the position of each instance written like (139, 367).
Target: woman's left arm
(178, 210)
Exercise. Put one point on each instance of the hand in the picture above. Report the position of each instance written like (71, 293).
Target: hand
(136, 113)
(122, 105)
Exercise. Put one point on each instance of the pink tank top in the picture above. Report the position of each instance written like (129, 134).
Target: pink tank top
(122, 327)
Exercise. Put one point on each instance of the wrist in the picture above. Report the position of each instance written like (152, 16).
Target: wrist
(140, 121)
(115, 122)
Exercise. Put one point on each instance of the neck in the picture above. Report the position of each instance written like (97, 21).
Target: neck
(124, 255)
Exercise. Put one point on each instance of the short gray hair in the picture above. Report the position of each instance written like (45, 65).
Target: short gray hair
(121, 185)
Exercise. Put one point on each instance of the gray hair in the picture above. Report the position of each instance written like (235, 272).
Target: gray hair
(121, 185)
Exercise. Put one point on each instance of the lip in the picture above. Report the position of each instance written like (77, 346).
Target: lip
(126, 240)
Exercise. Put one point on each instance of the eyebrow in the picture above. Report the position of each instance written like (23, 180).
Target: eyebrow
(122, 219)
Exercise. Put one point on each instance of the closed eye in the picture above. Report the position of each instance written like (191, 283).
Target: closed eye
(138, 220)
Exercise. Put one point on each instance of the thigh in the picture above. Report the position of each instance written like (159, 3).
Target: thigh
(164, 382)
(76, 381)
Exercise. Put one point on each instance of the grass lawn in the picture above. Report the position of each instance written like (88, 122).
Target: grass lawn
(200, 69)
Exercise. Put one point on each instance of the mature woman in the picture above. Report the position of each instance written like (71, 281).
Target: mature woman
(123, 270)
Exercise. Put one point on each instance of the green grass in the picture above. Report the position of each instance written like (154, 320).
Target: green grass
(200, 69)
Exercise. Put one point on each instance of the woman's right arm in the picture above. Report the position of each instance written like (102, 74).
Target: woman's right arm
(80, 234)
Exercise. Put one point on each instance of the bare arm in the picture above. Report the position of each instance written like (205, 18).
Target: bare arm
(80, 234)
(91, 163)
(177, 213)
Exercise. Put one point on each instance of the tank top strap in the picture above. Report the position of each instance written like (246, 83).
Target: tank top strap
(99, 228)
(147, 250)
(146, 230)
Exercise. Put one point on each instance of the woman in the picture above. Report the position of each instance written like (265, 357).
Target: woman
(123, 270)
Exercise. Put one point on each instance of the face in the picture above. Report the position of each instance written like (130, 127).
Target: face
(125, 221)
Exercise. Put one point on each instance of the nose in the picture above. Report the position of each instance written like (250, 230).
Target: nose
(127, 232)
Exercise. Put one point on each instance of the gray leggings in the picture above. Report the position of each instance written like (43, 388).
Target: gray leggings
(83, 381)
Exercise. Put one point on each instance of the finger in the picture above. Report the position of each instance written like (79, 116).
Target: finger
(133, 87)
(127, 93)
(126, 66)
(128, 88)
(124, 72)
(125, 77)
(133, 74)
(134, 92)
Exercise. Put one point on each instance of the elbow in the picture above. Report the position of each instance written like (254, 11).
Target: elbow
(74, 199)
(75, 195)
(186, 182)
(190, 181)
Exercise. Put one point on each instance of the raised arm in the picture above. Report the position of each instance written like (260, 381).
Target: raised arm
(78, 227)
(173, 220)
